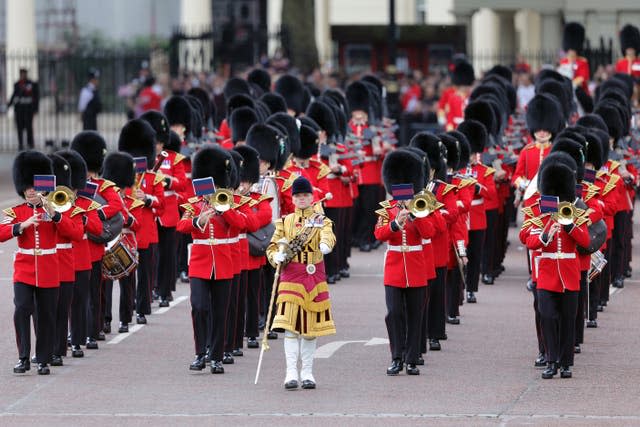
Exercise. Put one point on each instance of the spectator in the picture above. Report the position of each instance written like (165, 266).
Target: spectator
(526, 90)
(89, 104)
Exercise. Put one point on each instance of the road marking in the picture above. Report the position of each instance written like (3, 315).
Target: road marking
(175, 302)
(377, 341)
(613, 291)
(327, 350)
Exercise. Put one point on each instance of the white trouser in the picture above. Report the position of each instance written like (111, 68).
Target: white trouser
(291, 352)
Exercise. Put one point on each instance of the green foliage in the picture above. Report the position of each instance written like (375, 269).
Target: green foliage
(298, 21)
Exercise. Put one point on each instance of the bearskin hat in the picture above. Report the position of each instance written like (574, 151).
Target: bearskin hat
(403, 167)
(509, 90)
(548, 73)
(238, 162)
(543, 113)
(250, 171)
(159, 123)
(558, 90)
(491, 89)
(61, 170)
(573, 134)
(202, 96)
(308, 143)
(138, 138)
(573, 37)
(625, 79)
(575, 150)
(236, 86)
(215, 162)
(603, 139)
(463, 74)
(324, 116)
(358, 97)
(482, 112)
(584, 99)
(268, 142)
(240, 120)
(120, 168)
(557, 179)
(476, 134)
(92, 147)
(594, 148)
(592, 121)
(78, 168)
(341, 121)
(262, 111)
(175, 143)
(292, 91)
(369, 78)
(615, 83)
(433, 147)
(453, 149)
(375, 112)
(337, 96)
(425, 163)
(291, 126)
(623, 111)
(237, 101)
(629, 39)
(178, 112)
(308, 121)
(261, 78)
(465, 148)
(197, 115)
(502, 71)
(26, 165)
(275, 102)
(612, 119)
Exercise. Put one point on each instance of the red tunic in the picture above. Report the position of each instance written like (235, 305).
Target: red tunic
(93, 225)
(486, 189)
(371, 166)
(260, 217)
(529, 162)
(578, 68)
(66, 265)
(108, 191)
(446, 195)
(626, 66)
(453, 104)
(173, 167)
(151, 185)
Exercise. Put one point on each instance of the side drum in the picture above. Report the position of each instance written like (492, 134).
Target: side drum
(120, 258)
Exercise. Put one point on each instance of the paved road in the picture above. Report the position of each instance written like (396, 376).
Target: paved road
(483, 375)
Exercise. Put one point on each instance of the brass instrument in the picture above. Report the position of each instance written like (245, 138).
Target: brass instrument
(62, 198)
(221, 200)
(566, 213)
(423, 204)
(163, 155)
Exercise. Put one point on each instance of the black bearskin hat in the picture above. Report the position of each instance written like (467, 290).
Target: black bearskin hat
(629, 39)
(453, 149)
(573, 37)
(236, 86)
(205, 101)
(61, 170)
(592, 121)
(358, 97)
(502, 71)
(403, 167)
(275, 102)
(238, 162)
(603, 139)
(594, 148)
(178, 112)
(215, 162)
(463, 74)
(92, 147)
(543, 113)
(559, 91)
(369, 78)
(465, 148)
(138, 138)
(250, 171)
(197, 115)
(78, 168)
(584, 99)
(308, 143)
(626, 80)
(482, 112)
(431, 145)
(159, 123)
(290, 124)
(120, 168)
(175, 143)
(338, 97)
(237, 101)
(612, 119)
(575, 150)
(557, 179)
(26, 165)
(268, 142)
(425, 163)
(476, 134)
(324, 116)
(292, 91)
(240, 121)
(260, 77)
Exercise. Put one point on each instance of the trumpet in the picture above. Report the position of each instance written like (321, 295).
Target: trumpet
(62, 198)
(221, 200)
(566, 213)
(423, 204)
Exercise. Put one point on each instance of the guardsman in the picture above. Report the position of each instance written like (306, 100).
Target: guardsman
(36, 282)
(299, 243)
(138, 138)
(454, 99)
(573, 66)
(630, 46)
(210, 262)
(304, 162)
(25, 99)
(240, 121)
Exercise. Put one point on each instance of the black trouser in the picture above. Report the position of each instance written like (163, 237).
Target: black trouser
(166, 260)
(24, 121)
(42, 302)
(628, 237)
(107, 300)
(65, 294)
(558, 317)
(209, 297)
(435, 313)
(474, 255)
(452, 293)
(254, 285)
(95, 313)
(582, 307)
(618, 243)
(268, 273)
(349, 214)
(404, 321)
(539, 334)
(79, 307)
(366, 206)
(239, 324)
(606, 276)
(143, 289)
(127, 290)
(594, 297)
(332, 259)
(489, 245)
(183, 260)
(232, 314)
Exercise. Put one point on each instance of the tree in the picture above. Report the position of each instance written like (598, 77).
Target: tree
(298, 23)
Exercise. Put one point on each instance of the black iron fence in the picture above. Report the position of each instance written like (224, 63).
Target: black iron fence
(60, 77)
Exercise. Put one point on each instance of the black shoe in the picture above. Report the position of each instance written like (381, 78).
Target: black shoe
(345, 273)
(471, 298)
(216, 367)
(140, 319)
(365, 247)
(577, 349)
(627, 272)
(198, 363)
(551, 371)
(76, 351)
(207, 356)
(237, 353)
(337, 277)
(592, 323)
(184, 278)
(604, 303)
(272, 335)
(154, 295)
(56, 360)
(541, 361)
(412, 369)
(252, 342)
(43, 369)
(376, 244)
(565, 372)
(291, 385)
(331, 280)
(487, 279)
(600, 308)
(107, 328)
(170, 297)
(34, 360)
(443, 337)
(434, 345)
(164, 303)
(227, 359)
(453, 320)
(395, 368)
(91, 344)
(308, 385)
(420, 360)
(101, 336)
(123, 328)
(618, 283)
(22, 366)
(530, 285)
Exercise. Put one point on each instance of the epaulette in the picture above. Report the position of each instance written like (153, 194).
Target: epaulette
(466, 182)
(195, 199)
(386, 204)
(77, 211)
(106, 184)
(382, 213)
(537, 221)
(93, 206)
(592, 190)
(136, 203)
(178, 158)
(447, 188)
(324, 170)
(583, 217)
(188, 208)
(489, 171)
(528, 212)
(158, 178)
(264, 197)
(288, 182)
(614, 165)
(611, 184)
(244, 200)
(9, 212)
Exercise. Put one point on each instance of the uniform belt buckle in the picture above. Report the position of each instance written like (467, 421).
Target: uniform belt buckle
(404, 248)
(37, 251)
(311, 269)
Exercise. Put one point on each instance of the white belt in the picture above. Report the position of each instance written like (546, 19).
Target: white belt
(84, 236)
(127, 231)
(476, 202)
(36, 251)
(64, 246)
(169, 193)
(370, 159)
(214, 242)
(395, 248)
(242, 236)
(558, 255)
(426, 241)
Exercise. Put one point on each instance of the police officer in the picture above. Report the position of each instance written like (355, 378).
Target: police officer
(25, 100)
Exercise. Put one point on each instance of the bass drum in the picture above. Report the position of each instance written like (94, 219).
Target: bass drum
(120, 257)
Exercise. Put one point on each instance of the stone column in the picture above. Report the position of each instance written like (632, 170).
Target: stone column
(486, 37)
(195, 18)
(551, 32)
(323, 31)
(21, 48)
(274, 21)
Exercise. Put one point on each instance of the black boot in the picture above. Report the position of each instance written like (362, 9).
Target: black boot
(43, 369)
(395, 368)
(252, 342)
(541, 361)
(471, 297)
(434, 345)
(22, 366)
(453, 320)
(56, 360)
(123, 328)
(412, 369)
(551, 371)
(565, 371)
(487, 279)
(198, 363)
(227, 359)
(592, 323)
(107, 328)
(216, 367)
(76, 351)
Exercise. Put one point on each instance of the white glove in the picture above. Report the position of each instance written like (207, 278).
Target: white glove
(279, 257)
(324, 248)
